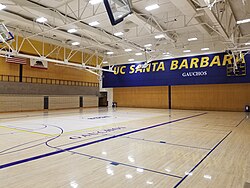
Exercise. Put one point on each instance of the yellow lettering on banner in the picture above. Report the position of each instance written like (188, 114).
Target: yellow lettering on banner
(227, 60)
(241, 56)
(161, 67)
(244, 60)
(116, 70)
(138, 70)
(132, 69)
(121, 70)
(215, 61)
(194, 63)
(154, 66)
(147, 69)
(184, 64)
(174, 65)
(204, 62)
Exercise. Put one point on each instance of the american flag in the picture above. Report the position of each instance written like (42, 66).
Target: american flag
(17, 60)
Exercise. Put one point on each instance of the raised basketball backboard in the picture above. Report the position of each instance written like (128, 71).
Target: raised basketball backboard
(117, 10)
(5, 34)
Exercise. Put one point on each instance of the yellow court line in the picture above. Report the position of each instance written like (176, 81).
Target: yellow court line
(20, 130)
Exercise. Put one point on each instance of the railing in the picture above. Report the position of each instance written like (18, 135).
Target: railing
(35, 80)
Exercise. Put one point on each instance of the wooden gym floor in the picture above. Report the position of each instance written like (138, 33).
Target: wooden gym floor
(124, 147)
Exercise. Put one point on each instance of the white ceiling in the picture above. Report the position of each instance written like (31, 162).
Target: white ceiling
(178, 20)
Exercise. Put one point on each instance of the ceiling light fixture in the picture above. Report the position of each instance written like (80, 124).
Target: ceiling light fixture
(247, 43)
(73, 30)
(159, 36)
(94, 2)
(95, 23)
(152, 7)
(147, 45)
(41, 20)
(104, 62)
(129, 176)
(192, 39)
(2, 6)
(186, 51)
(150, 182)
(131, 60)
(243, 21)
(75, 43)
(128, 50)
(138, 54)
(118, 34)
(204, 49)
(110, 53)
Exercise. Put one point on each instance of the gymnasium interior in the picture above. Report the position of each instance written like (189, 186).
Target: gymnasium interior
(124, 93)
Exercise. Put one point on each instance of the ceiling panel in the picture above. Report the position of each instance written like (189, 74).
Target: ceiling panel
(171, 19)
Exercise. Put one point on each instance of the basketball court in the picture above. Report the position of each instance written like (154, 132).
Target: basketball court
(101, 148)
(124, 93)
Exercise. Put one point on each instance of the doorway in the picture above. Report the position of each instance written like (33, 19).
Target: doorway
(103, 99)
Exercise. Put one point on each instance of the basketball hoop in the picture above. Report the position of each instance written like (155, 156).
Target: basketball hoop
(5, 34)
(117, 10)
(238, 67)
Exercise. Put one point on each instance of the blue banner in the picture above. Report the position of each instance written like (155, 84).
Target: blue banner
(203, 69)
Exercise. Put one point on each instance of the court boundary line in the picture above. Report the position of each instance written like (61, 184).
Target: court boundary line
(240, 122)
(207, 154)
(124, 164)
(29, 159)
(202, 159)
(167, 143)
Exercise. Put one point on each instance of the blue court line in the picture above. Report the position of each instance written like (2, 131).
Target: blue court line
(168, 143)
(115, 163)
(202, 159)
(240, 122)
(90, 143)
(124, 164)
(4, 152)
(82, 140)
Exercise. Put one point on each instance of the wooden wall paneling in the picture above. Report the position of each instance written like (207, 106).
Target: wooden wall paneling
(228, 97)
(8, 68)
(20, 103)
(145, 97)
(59, 72)
(53, 72)
(63, 102)
(90, 101)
